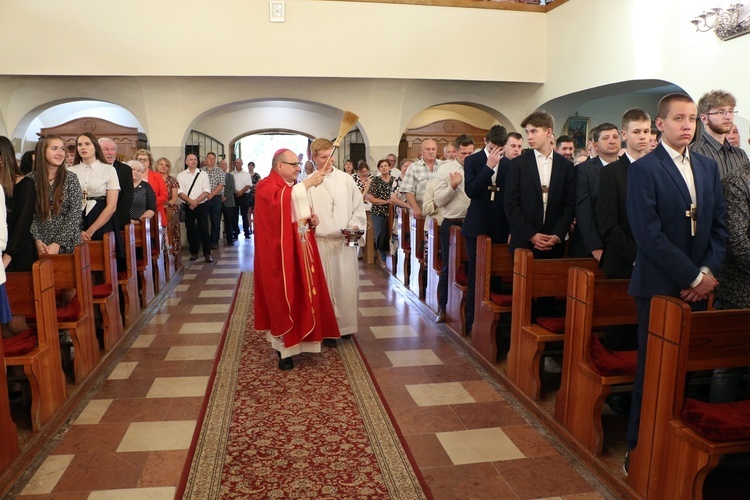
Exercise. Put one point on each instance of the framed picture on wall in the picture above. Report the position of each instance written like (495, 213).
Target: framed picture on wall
(578, 128)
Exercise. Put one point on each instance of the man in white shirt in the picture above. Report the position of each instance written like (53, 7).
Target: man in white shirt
(194, 190)
(243, 182)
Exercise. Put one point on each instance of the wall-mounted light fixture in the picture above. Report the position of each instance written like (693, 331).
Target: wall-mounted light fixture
(725, 23)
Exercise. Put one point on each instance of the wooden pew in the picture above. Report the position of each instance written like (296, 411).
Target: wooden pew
(434, 264)
(455, 316)
(158, 264)
(172, 262)
(106, 293)
(9, 449)
(143, 262)
(404, 246)
(391, 217)
(592, 304)
(128, 279)
(532, 279)
(33, 295)
(418, 266)
(369, 248)
(73, 271)
(672, 460)
(492, 261)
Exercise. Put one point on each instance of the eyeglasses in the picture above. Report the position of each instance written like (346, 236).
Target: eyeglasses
(722, 113)
(292, 164)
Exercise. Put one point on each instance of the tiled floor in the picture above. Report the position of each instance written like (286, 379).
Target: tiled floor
(468, 438)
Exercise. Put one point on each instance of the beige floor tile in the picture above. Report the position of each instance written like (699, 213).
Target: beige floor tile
(189, 276)
(143, 341)
(159, 319)
(221, 281)
(371, 295)
(210, 309)
(202, 327)
(154, 436)
(181, 288)
(391, 332)
(365, 283)
(369, 312)
(178, 387)
(479, 445)
(161, 493)
(210, 294)
(449, 393)
(221, 270)
(190, 352)
(123, 370)
(172, 301)
(416, 357)
(93, 412)
(48, 474)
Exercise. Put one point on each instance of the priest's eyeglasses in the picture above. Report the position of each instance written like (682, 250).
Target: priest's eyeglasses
(292, 163)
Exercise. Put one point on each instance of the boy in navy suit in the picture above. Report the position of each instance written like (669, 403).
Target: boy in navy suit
(676, 210)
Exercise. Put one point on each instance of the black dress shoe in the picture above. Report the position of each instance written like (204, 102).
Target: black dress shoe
(247, 235)
(194, 256)
(329, 342)
(286, 364)
(440, 318)
(208, 258)
(214, 246)
(230, 243)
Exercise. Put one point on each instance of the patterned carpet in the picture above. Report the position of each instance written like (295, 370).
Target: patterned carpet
(318, 431)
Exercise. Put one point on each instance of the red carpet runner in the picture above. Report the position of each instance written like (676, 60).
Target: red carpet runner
(318, 431)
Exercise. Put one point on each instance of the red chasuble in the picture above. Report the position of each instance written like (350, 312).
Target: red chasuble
(291, 295)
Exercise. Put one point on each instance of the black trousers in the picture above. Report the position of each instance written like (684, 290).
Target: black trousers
(196, 227)
(229, 219)
(214, 207)
(243, 203)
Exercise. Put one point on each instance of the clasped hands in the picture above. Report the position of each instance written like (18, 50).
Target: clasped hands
(544, 241)
(701, 291)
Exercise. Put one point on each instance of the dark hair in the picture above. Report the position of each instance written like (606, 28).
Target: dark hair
(384, 160)
(362, 165)
(564, 138)
(44, 209)
(463, 140)
(655, 131)
(497, 135)
(662, 110)
(634, 115)
(516, 136)
(597, 132)
(27, 162)
(539, 118)
(10, 170)
(210, 153)
(97, 148)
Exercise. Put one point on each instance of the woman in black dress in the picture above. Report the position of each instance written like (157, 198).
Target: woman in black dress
(20, 203)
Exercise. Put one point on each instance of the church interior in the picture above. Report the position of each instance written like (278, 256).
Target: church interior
(190, 77)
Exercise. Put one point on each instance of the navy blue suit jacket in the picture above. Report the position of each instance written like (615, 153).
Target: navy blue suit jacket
(525, 208)
(485, 216)
(669, 258)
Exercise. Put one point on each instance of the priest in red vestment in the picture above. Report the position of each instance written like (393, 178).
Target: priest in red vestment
(292, 301)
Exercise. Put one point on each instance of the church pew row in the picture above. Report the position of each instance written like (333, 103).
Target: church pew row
(9, 448)
(493, 261)
(393, 257)
(158, 263)
(73, 272)
(404, 246)
(418, 266)
(128, 279)
(106, 292)
(532, 279)
(143, 261)
(32, 294)
(458, 283)
(434, 264)
(681, 440)
(589, 372)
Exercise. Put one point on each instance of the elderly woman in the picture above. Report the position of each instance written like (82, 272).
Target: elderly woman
(154, 180)
(144, 199)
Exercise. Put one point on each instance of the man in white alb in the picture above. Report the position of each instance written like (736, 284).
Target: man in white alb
(338, 204)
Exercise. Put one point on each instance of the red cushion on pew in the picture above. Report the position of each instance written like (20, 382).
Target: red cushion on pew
(555, 325)
(718, 421)
(461, 277)
(102, 290)
(70, 312)
(611, 363)
(20, 343)
(501, 299)
(122, 276)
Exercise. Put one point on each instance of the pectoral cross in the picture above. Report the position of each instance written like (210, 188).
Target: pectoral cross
(302, 228)
(692, 214)
(493, 189)
(545, 193)
(85, 199)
